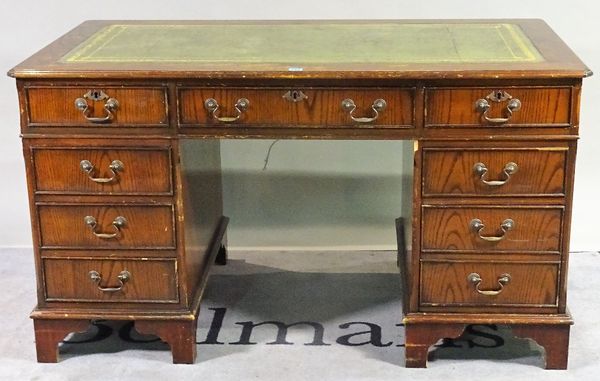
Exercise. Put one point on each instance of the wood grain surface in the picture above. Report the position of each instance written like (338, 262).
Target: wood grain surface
(322, 107)
(150, 281)
(450, 172)
(548, 106)
(138, 106)
(536, 229)
(446, 284)
(145, 171)
(147, 227)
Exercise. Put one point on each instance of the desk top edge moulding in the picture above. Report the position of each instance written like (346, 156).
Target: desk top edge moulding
(121, 121)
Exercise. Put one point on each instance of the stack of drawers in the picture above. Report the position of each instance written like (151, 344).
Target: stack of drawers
(492, 245)
(492, 212)
(103, 209)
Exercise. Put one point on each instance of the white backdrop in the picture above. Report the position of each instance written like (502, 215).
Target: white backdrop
(28, 25)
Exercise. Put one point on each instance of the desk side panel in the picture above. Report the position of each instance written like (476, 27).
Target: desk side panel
(201, 194)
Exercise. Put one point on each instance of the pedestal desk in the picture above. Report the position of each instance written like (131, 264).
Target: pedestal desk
(121, 123)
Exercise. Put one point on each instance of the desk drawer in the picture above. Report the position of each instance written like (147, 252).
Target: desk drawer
(499, 284)
(494, 172)
(102, 106)
(307, 107)
(106, 226)
(102, 171)
(492, 229)
(111, 280)
(469, 107)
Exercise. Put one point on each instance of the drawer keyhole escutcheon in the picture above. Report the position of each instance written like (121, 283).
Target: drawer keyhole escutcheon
(123, 277)
(295, 96)
(498, 96)
(476, 280)
(88, 168)
(477, 226)
(117, 224)
(110, 106)
(212, 106)
(481, 170)
(378, 106)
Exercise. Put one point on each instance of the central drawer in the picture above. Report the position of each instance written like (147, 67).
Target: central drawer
(106, 226)
(492, 229)
(305, 107)
(114, 280)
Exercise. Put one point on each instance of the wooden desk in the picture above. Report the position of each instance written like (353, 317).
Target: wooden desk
(121, 121)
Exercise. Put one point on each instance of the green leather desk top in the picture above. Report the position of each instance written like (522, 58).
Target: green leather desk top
(299, 44)
(307, 49)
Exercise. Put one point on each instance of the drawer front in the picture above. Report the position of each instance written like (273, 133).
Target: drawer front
(494, 172)
(135, 106)
(111, 280)
(549, 107)
(106, 226)
(488, 229)
(498, 284)
(320, 107)
(102, 171)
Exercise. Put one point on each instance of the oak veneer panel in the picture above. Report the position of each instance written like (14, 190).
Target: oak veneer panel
(446, 284)
(536, 229)
(138, 106)
(530, 285)
(455, 107)
(322, 107)
(150, 281)
(145, 171)
(148, 226)
(449, 172)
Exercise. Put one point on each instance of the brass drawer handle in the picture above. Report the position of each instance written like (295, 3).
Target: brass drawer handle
(212, 106)
(475, 278)
(88, 168)
(118, 223)
(349, 106)
(110, 106)
(483, 106)
(477, 226)
(481, 170)
(123, 277)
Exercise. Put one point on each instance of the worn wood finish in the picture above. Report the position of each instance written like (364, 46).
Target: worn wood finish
(420, 337)
(138, 106)
(450, 172)
(446, 284)
(49, 333)
(540, 107)
(321, 107)
(144, 172)
(147, 226)
(68, 279)
(536, 229)
(551, 331)
(179, 334)
(554, 340)
(170, 188)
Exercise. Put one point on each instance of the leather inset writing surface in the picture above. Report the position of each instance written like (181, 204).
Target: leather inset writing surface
(316, 44)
